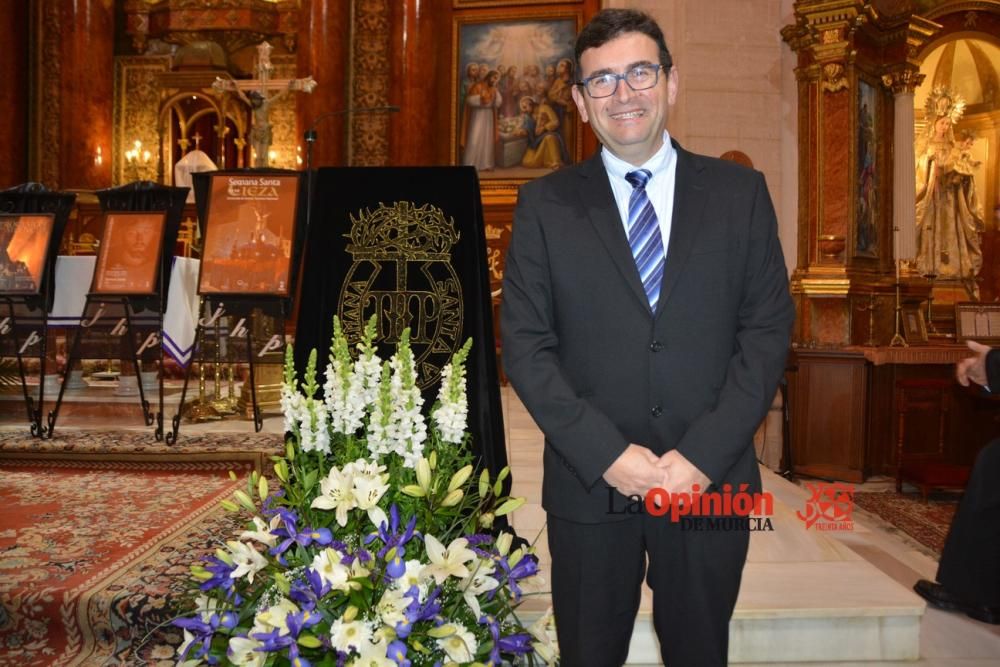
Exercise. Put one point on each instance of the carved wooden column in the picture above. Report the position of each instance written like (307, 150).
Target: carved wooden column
(324, 26)
(844, 283)
(14, 93)
(420, 67)
(371, 71)
(74, 93)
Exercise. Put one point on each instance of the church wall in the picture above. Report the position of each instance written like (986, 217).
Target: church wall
(737, 89)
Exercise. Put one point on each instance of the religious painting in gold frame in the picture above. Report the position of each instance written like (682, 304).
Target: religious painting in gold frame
(25, 244)
(128, 258)
(914, 325)
(867, 205)
(250, 224)
(499, 60)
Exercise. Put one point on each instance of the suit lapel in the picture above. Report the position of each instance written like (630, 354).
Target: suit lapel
(690, 197)
(606, 220)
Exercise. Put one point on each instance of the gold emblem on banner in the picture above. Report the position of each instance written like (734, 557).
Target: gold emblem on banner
(402, 273)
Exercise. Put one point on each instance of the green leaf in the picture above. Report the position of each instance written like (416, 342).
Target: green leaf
(310, 480)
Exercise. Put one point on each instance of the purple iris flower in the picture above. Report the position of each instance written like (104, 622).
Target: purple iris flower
(392, 537)
(517, 644)
(396, 651)
(526, 567)
(301, 620)
(202, 632)
(308, 592)
(289, 530)
(220, 570)
(273, 641)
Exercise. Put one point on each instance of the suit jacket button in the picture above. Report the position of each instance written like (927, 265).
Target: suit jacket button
(655, 346)
(656, 411)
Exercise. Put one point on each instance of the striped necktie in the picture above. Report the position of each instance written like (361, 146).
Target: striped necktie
(644, 236)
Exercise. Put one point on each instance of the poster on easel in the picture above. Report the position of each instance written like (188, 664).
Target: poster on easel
(25, 242)
(250, 227)
(128, 259)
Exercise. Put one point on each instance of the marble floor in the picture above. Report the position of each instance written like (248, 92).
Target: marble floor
(836, 598)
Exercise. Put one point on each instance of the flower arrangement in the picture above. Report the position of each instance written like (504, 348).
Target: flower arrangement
(378, 548)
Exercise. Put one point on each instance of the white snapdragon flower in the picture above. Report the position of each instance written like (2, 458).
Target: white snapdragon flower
(291, 402)
(314, 432)
(452, 414)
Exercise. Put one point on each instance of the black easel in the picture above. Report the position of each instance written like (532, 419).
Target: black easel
(30, 198)
(139, 196)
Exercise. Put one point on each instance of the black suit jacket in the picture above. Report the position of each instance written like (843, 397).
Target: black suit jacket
(597, 370)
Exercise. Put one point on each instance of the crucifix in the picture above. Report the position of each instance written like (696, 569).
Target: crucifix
(260, 94)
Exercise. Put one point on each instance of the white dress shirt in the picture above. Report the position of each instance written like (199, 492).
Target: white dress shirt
(659, 189)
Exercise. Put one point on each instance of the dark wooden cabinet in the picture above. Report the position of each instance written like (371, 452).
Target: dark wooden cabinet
(844, 422)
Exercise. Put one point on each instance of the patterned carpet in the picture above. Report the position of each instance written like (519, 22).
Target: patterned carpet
(926, 523)
(96, 537)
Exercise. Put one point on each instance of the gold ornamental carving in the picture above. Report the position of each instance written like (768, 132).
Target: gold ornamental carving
(402, 273)
(834, 78)
(370, 82)
(902, 81)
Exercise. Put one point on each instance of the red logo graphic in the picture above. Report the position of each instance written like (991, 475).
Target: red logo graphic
(830, 506)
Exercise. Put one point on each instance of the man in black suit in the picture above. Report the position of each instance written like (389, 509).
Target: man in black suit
(646, 321)
(969, 571)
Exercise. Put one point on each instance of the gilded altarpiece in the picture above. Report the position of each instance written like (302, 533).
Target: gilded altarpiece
(137, 105)
(844, 282)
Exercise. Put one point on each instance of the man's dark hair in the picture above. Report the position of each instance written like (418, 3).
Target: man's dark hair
(609, 24)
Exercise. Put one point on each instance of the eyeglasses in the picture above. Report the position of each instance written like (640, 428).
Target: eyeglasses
(640, 77)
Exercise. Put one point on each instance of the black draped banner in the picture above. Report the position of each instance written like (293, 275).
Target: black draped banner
(406, 244)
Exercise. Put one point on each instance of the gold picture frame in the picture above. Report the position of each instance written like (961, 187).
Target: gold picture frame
(914, 325)
(547, 71)
(977, 321)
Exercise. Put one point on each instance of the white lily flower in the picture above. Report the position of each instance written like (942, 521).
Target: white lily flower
(448, 562)
(243, 651)
(275, 616)
(263, 533)
(546, 643)
(336, 493)
(247, 559)
(368, 491)
(328, 566)
(460, 647)
(391, 606)
(477, 583)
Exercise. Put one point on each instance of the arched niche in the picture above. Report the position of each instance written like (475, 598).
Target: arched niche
(964, 58)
